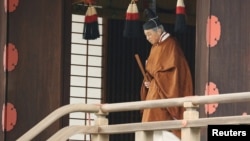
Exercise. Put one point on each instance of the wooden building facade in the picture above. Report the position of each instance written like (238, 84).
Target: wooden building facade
(33, 40)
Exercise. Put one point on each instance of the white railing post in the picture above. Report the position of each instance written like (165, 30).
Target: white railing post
(190, 133)
(100, 120)
(144, 136)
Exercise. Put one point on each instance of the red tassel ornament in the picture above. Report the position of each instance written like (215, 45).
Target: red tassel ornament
(91, 27)
(180, 25)
(132, 25)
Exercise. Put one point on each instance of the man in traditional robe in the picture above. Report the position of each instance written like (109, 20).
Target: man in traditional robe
(167, 71)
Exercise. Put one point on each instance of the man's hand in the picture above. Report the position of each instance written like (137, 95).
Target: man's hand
(147, 84)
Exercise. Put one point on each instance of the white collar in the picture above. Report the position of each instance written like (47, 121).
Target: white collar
(164, 36)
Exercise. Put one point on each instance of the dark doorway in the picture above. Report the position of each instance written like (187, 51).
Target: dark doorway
(124, 78)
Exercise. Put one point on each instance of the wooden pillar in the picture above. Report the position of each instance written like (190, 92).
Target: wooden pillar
(3, 41)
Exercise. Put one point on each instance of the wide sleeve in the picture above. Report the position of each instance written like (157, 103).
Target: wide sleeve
(168, 77)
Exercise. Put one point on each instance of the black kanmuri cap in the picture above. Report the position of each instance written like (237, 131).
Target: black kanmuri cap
(153, 20)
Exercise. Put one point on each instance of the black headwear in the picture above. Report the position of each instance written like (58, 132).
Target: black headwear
(153, 20)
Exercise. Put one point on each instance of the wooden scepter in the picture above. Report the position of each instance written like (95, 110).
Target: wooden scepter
(137, 57)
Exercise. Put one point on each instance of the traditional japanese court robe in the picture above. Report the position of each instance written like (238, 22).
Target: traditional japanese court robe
(170, 78)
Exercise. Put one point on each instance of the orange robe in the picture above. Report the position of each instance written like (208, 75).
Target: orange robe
(170, 78)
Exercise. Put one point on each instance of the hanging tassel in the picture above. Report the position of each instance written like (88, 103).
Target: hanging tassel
(91, 27)
(180, 25)
(132, 26)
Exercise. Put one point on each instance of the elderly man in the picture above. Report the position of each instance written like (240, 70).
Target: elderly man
(168, 74)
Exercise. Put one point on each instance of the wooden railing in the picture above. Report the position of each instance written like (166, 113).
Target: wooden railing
(190, 125)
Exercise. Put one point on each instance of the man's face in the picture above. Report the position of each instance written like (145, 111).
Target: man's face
(152, 36)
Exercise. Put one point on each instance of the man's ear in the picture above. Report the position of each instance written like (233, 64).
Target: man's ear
(159, 31)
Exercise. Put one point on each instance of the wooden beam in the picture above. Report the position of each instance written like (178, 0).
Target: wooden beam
(117, 10)
(112, 13)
